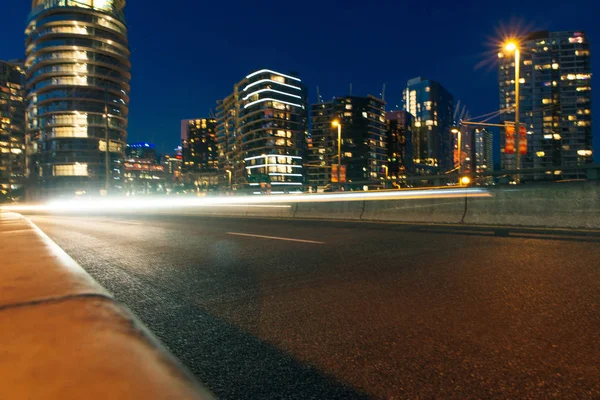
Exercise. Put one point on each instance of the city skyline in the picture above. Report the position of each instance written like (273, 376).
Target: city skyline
(455, 67)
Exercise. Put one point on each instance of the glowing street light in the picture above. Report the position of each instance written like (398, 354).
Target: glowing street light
(458, 133)
(337, 124)
(510, 46)
(513, 46)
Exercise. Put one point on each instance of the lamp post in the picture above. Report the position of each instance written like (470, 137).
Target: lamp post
(458, 134)
(107, 154)
(229, 176)
(513, 46)
(336, 123)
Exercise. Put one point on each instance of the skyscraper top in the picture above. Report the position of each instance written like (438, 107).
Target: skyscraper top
(95, 4)
(112, 7)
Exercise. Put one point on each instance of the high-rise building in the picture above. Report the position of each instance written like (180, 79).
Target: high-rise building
(261, 133)
(484, 154)
(12, 130)
(363, 144)
(432, 107)
(400, 128)
(199, 142)
(77, 83)
(555, 103)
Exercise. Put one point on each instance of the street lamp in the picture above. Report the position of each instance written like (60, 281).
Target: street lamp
(337, 124)
(513, 46)
(229, 176)
(458, 133)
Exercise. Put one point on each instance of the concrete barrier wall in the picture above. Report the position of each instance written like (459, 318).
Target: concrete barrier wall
(565, 205)
(418, 210)
(350, 210)
(559, 205)
(62, 336)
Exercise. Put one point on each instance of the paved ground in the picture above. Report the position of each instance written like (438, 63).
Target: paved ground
(355, 310)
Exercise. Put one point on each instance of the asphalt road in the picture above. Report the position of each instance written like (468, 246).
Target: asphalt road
(355, 310)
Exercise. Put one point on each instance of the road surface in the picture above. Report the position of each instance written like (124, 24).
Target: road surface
(261, 309)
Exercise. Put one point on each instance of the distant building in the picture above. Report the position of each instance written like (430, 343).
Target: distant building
(78, 74)
(143, 177)
(261, 133)
(432, 107)
(555, 106)
(199, 142)
(484, 154)
(141, 150)
(400, 128)
(364, 141)
(173, 166)
(12, 131)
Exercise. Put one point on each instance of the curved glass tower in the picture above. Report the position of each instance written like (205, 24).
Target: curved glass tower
(77, 82)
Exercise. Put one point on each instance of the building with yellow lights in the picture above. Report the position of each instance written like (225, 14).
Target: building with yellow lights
(77, 83)
(12, 131)
(261, 133)
(555, 103)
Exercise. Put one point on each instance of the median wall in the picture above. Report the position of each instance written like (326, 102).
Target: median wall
(562, 205)
(557, 205)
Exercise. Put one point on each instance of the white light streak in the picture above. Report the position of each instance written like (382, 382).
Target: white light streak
(286, 183)
(282, 174)
(273, 72)
(108, 205)
(271, 99)
(270, 80)
(271, 90)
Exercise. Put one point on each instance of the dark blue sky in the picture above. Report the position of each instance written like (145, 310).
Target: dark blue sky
(187, 54)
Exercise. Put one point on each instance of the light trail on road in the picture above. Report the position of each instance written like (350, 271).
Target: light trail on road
(119, 204)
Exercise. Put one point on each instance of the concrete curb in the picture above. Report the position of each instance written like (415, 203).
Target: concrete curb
(63, 336)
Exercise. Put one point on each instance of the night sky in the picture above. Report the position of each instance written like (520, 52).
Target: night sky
(187, 54)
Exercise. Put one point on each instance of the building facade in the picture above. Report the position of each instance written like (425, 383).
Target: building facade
(142, 173)
(364, 153)
(555, 103)
(484, 153)
(431, 106)
(142, 150)
(78, 72)
(400, 128)
(261, 132)
(12, 131)
(199, 143)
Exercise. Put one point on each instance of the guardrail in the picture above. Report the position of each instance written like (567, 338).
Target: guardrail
(62, 336)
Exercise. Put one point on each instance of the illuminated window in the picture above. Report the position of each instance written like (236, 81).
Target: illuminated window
(79, 131)
(71, 170)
